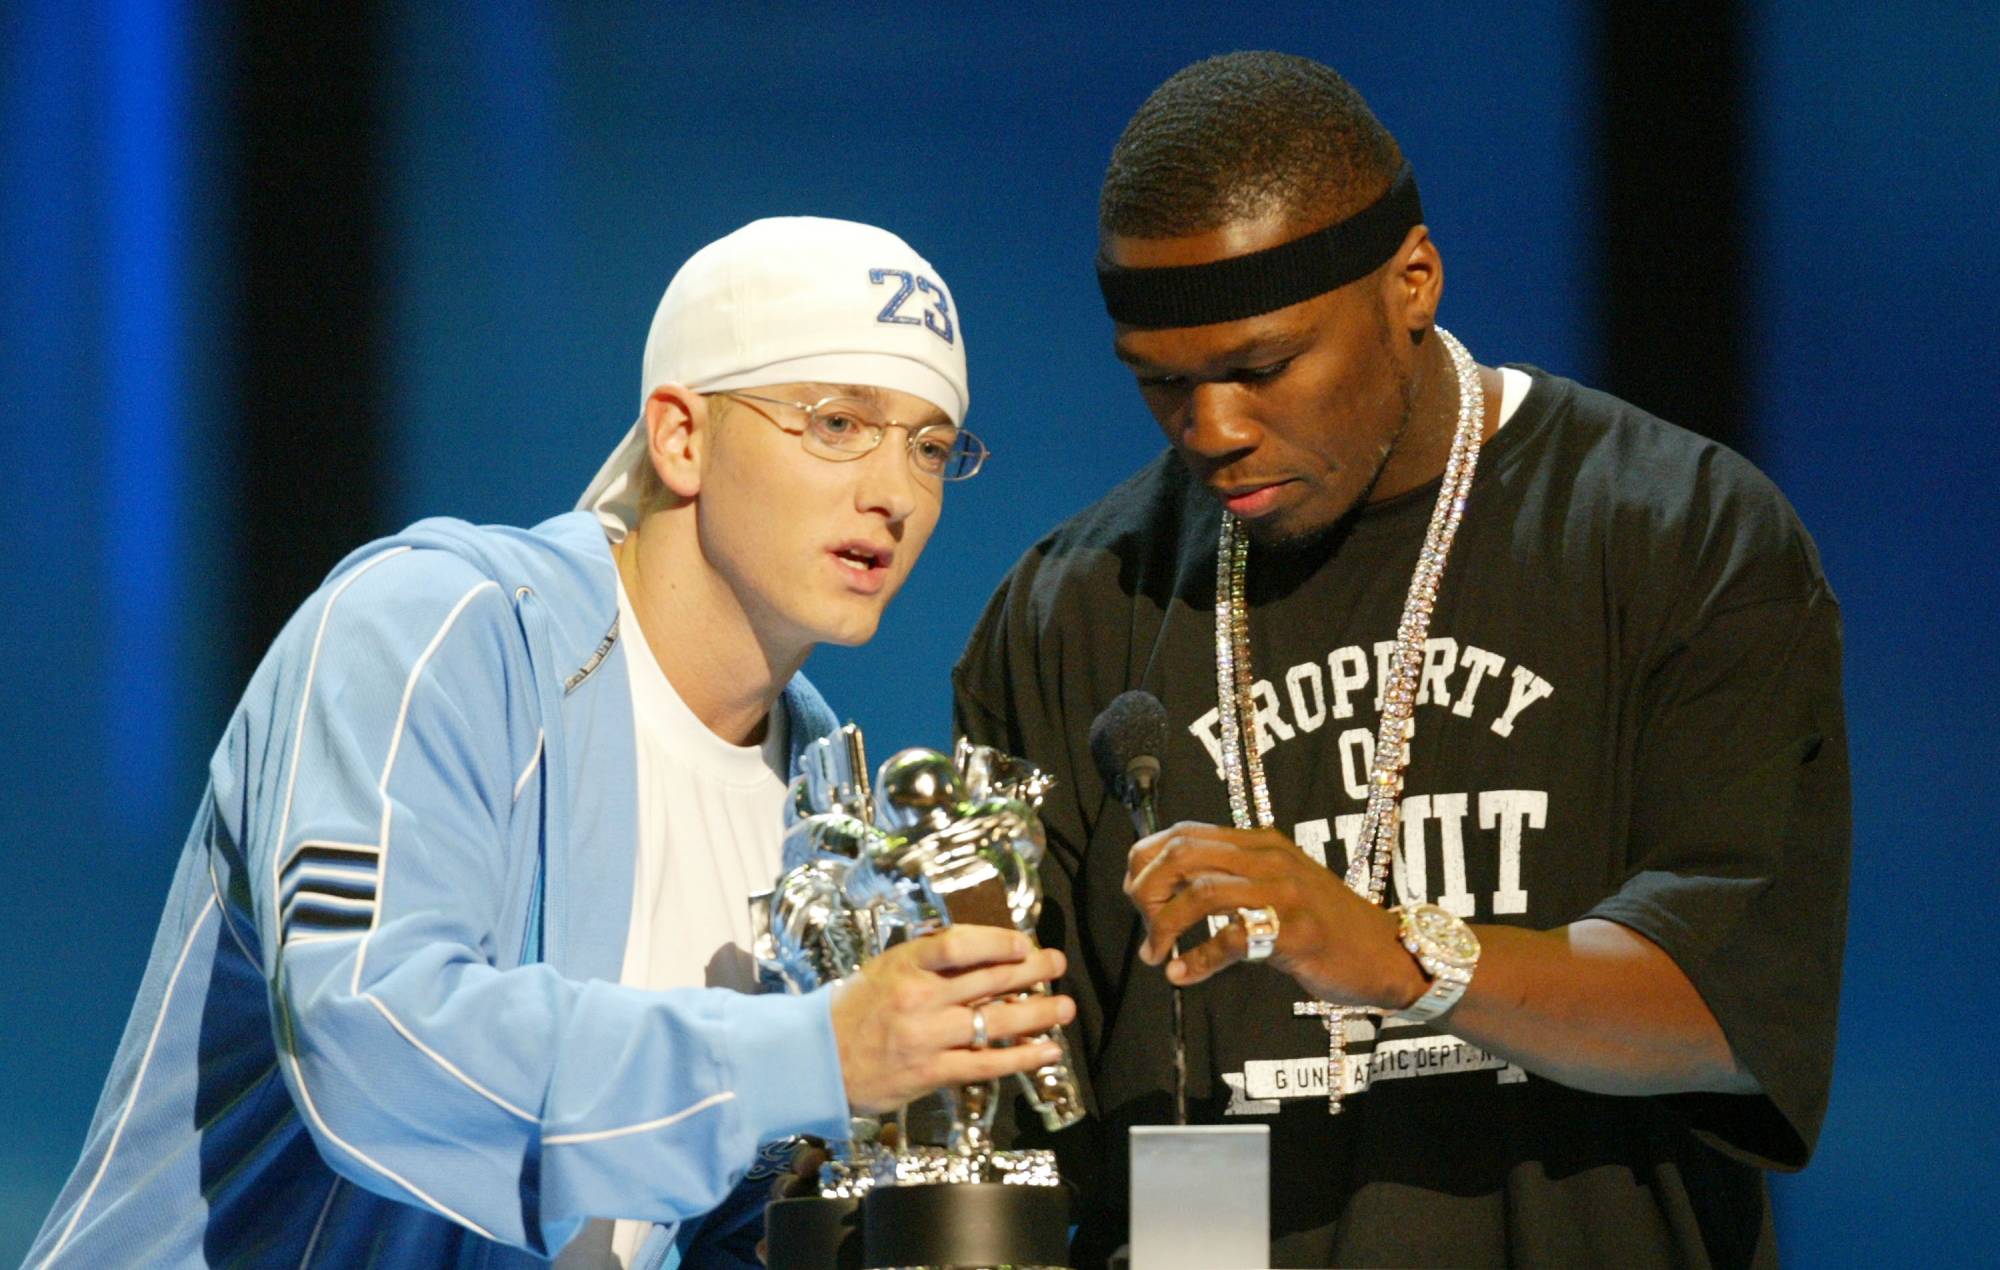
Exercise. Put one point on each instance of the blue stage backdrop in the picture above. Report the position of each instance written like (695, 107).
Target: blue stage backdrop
(113, 362)
(547, 167)
(1874, 272)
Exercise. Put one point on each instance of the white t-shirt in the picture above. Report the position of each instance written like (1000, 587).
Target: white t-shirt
(1513, 390)
(711, 824)
(711, 828)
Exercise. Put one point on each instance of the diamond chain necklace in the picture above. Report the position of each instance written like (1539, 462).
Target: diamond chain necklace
(1242, 756)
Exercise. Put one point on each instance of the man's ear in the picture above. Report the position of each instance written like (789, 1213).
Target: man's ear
(677, 438)
(1414, 283)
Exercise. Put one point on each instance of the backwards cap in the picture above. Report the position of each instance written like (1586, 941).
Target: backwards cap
(793, 299)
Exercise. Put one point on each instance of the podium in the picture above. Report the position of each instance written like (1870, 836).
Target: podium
(931, 1224)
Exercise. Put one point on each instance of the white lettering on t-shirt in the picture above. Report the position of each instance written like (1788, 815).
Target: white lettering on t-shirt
(1440, 660)
(1267, 1083)
(1311, 695)
(1307, 715)
(1208, 730)
(1357, 754)
(1449, 810)
(1349, 670)
(1271, 725)
(1312, 837)
(1504, 816)
(1508, 810)
(1408, 867)
(1529, 688)
(1478, 664)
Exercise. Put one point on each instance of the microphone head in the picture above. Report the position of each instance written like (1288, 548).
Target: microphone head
(1129, 735)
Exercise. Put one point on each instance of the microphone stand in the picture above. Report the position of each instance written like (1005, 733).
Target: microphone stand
(1138, 799)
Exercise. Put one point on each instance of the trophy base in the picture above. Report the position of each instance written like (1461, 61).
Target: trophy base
(813, 1232)
(965, 1224)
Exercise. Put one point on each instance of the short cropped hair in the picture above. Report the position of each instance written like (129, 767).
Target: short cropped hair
(1242, 135)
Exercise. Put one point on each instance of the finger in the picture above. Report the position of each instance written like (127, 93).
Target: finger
(1188, 857)
(993, 981)
(1211, 893)
(1147, 848)
(1145, 881)
(1250, 839)
(966, 1067)
(966, 947)
(1006, 1020)
(1023, 1017)
(1217, 953)
(1141, 855)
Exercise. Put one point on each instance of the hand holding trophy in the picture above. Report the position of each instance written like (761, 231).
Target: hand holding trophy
(919, 896)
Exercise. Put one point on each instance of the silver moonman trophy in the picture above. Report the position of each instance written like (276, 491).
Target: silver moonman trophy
(932, 842)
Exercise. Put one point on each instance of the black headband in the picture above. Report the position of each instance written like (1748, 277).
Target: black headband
(1244, 286)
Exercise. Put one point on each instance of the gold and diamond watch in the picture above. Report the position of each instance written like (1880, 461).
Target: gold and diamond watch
(1447, 950)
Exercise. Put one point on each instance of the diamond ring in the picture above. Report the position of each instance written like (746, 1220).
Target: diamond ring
(1260, 929)
(978, 1028)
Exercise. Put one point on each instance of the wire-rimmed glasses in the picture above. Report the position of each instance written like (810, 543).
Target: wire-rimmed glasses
(840, 429)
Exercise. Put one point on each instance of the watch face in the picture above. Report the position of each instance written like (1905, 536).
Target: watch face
(1445, 935)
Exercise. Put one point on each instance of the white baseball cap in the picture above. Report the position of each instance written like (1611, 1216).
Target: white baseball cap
(792, 299)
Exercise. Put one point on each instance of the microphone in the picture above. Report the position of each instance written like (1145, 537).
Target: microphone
(1125, 742)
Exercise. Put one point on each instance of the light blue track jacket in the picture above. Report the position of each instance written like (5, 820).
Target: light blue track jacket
(381, 1024)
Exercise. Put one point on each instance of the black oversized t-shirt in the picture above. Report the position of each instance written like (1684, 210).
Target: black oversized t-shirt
(1630, 709)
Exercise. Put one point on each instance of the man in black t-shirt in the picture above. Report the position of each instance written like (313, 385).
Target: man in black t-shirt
(1524, 706)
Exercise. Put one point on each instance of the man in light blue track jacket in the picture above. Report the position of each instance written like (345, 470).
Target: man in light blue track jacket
(454, 970)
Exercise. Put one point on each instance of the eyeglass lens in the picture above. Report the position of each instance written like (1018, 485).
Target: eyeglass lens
(847, 428)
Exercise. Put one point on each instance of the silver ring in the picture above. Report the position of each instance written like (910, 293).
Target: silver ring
(978, 1028)
(1260, 929)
